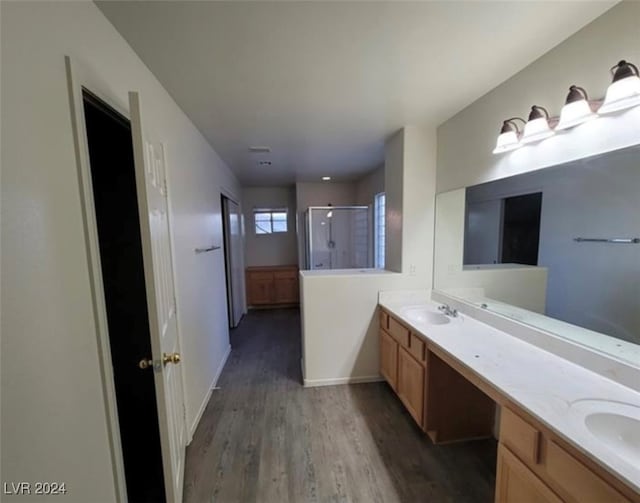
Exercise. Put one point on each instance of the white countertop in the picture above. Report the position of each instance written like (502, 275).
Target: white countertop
(543, 384)
(344, 272)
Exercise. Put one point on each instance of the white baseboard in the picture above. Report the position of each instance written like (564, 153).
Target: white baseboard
(207, 397)
(221, 367)
(312, 383)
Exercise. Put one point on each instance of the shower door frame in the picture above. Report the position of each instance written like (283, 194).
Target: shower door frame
(309, 246)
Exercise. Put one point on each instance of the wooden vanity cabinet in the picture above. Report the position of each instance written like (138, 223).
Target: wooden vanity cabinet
(444, 397)
(285, 284)
(402, 366)
(411, 384)
(389, 359)
(534, 465)
(272, 286)
(457, 410)
(445, 405)
(517, 484)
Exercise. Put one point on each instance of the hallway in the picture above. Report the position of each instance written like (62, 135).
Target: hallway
(265, 438)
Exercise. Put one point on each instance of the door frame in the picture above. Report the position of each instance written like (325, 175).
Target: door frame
(227, 260)
(78, 78)
(81, 77)
(230, 194)
(226, 194)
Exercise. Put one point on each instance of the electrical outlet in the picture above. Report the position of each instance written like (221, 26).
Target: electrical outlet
(412, 270)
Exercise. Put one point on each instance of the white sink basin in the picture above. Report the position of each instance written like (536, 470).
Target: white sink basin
(615, 424)
(425, 314)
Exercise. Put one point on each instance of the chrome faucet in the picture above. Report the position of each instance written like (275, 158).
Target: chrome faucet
(446, 309)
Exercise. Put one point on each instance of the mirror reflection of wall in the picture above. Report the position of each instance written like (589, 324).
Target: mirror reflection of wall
(536, 218)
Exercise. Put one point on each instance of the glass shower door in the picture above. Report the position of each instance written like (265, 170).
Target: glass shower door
(338, 237)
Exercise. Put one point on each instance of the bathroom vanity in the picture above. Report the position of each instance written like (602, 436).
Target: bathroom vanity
(452, 373)
(272, 286)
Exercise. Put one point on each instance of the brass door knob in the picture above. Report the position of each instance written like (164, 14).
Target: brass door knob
(171, 358)
(145, 363)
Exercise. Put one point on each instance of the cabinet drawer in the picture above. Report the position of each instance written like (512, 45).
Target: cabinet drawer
(417, 348)
(384, 320)
(579, 482)
(291, 274)
(399, 332)
(260, 276)
(522, 438)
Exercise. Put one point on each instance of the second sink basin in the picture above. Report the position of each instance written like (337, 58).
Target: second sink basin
(615, 424)
(425, 314)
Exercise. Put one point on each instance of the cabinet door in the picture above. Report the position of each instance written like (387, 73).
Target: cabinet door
(389, 359)
(577, 482)
(517, 484)
(260, 288)
(411, 384)
(286, 287)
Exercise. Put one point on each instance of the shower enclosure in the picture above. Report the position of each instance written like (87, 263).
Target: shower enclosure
(338, 237)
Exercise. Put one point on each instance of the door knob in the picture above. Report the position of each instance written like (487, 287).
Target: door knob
(171, 358)
(145, 363)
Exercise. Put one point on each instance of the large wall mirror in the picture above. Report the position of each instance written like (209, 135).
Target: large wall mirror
(557, 248)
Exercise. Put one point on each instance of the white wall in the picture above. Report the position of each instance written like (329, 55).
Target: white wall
(319, 194)
(340, 324)
(339, 307)
(466, 140)
(521, 286)
(393, 184)
(369, 185)
(418, 202)
(410, 186)
(54, 424)
(270, 249)
(366, 188)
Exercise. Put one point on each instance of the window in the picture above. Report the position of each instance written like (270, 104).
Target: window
(378, 230)
(270, 221)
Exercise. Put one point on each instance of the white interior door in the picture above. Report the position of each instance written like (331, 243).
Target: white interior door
(158, 269)
(233, 250)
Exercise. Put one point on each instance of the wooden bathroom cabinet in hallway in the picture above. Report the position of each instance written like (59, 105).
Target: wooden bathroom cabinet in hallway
(272, 286)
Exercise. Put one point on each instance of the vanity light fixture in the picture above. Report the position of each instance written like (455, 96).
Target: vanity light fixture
(537, 127)
(326, 178)
(576, 109)
(508, 138)
(624, 91)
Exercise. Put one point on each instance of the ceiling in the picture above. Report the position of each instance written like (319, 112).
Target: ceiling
(324, 83)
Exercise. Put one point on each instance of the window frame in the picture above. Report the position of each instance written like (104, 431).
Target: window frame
(270, 220)
(379, 252)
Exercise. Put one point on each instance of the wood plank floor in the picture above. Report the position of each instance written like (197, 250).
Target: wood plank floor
(265, 438)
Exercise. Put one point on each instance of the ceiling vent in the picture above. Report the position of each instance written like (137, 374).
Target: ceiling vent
(259, 150)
